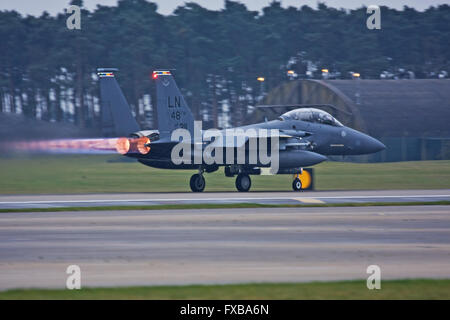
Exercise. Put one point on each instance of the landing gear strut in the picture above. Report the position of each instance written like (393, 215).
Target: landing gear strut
(243, 182)
(197, 182)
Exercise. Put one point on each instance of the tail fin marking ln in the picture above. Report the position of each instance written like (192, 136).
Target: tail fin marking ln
(173, 111)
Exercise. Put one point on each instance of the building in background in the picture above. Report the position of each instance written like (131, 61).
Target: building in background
(411, 117)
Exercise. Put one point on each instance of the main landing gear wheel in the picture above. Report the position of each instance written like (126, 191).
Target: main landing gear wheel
(197, 183)
(243, 182)
(297, 184)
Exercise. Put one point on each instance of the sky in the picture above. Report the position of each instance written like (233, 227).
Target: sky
(36, 7)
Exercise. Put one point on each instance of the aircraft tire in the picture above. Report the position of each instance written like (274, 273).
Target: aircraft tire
(197, 183)
(243, 182)
(297, 185)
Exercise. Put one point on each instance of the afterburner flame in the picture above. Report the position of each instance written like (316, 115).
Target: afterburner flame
(97, 145)
(123, 145)
(133, 145)
(143, 145)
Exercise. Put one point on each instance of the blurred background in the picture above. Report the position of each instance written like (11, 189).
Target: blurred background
(227, 58)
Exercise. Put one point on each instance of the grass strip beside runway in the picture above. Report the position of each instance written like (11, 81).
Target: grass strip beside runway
(390, 289)
(227, 206)
(52, 174)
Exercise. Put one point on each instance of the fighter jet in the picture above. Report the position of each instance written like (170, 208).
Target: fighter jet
(299, 138)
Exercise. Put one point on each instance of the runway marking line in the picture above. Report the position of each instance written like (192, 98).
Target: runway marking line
(222, 199)
(309, 200)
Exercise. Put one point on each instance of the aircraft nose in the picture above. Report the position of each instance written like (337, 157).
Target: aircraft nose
(372, 145)
(378, 146)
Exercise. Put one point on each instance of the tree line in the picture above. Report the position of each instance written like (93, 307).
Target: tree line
(48, 71)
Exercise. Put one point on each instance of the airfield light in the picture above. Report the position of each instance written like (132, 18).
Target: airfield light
(260, 79)
(356, 75)
(290, 72)
(325, 70)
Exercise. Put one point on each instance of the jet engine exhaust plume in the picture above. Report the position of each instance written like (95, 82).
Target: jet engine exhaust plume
(133, 145)
(82, 146)
(143, 145)
(123, 145)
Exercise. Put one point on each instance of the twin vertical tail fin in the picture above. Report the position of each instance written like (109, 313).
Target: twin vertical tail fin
(173, 111)
(117, 119)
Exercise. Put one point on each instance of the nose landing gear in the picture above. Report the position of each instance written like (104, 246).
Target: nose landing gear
(297, 184)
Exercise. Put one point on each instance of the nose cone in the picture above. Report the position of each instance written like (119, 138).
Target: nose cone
(369, 144)
(376, 145)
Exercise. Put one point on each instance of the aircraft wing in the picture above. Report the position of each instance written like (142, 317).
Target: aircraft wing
(235, 141)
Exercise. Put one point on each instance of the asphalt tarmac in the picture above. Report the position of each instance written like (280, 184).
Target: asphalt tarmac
(136, 248)
(311, 197)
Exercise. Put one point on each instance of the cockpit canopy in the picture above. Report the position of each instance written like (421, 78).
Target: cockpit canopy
(311, 115)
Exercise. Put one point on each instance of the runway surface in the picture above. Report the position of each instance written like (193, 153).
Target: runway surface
(123, 248)
(124, 199)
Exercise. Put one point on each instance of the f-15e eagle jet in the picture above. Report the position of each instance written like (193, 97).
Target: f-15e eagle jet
(299, 138)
